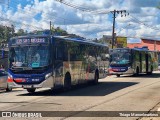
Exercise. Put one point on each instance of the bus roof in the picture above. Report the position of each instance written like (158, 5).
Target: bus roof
(85, 41)
(137, 49)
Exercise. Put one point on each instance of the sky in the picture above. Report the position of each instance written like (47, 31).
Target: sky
(88, 18)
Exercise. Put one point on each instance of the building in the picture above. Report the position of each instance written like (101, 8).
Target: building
(151, 44)
(119, 41)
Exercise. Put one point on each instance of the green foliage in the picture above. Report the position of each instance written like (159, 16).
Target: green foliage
(59, 31)
(6, 33)
(20, 32)
(158, 7)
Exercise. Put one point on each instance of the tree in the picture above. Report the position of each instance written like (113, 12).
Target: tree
(60, 31)
(6, 33)
(21, 32)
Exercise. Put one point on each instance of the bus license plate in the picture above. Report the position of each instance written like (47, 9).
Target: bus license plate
(27, 86)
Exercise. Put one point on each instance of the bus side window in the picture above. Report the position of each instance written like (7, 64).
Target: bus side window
(59, 53)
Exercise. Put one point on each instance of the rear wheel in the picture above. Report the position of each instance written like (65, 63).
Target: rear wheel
(31, 90)
(96, 77)
(137, 71)
(67, 81)
(150, 73)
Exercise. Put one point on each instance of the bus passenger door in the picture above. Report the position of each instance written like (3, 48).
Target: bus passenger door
(146, 58)
(58, 65)
(140, 61)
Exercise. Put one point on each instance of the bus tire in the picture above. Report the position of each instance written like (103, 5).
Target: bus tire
(96, 77)
(150, 73)
(67, 81)
(8, 89)
(118, 75)
(137, 71)
(31, 90)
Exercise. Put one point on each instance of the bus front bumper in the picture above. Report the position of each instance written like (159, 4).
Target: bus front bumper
(113, 72)
(48, 83)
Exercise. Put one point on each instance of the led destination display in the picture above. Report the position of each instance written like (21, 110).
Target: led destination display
(29, 40)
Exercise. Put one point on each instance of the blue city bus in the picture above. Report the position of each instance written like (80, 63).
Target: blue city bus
(46, 61)
(132, 61)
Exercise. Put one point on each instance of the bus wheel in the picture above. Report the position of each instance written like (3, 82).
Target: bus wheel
(118, 75)
(137, 71)
(150, 73)
(31, 90)
(8, 89)
(67, 81)
(96, 77)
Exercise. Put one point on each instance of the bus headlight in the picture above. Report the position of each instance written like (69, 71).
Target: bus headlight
(48, 75)
(10, 78)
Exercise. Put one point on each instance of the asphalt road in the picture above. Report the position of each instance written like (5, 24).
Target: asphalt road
(119, 96)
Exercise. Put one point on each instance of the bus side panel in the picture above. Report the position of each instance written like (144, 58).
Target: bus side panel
(79, 63)
(136, 61)
(155, 61)
(147, 61)
(143, 62)
(80, 60)
(58, 50)
(102, 61)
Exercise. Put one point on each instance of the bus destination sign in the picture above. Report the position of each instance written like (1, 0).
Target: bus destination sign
(30, 40)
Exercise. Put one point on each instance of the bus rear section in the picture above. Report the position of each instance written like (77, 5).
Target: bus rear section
(132, 61)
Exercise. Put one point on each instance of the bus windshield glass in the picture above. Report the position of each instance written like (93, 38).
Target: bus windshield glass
(29, 56)
(120, 58)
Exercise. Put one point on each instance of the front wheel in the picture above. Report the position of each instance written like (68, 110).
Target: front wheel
(31, 90)
(118, 75)
(8, 89)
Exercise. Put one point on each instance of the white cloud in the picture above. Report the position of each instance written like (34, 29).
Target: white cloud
(39, 13)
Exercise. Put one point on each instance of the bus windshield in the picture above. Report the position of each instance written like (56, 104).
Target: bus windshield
(120, 58)
(29, 56)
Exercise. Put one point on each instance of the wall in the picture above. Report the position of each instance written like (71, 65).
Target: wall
(146, 42)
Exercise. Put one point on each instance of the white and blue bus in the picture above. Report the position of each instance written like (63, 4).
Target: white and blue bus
(45, 61)
(132, 61)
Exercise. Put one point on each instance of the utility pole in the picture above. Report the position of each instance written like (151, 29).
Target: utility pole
(114, 17)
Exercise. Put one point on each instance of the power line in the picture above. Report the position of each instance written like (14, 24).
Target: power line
(27, 25)
(34, 10)
(78, 7)
(123, 28)
(74, 6)
(98, 12)
(142, 23)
